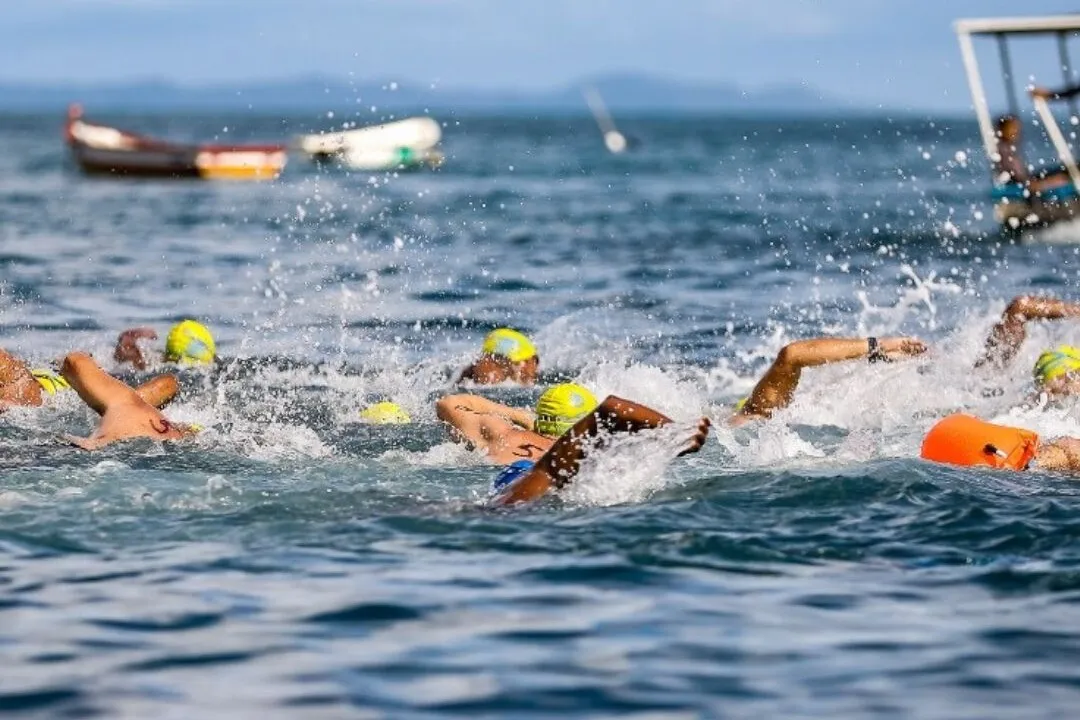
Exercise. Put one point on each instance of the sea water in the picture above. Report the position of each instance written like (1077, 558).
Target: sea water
(292, 561)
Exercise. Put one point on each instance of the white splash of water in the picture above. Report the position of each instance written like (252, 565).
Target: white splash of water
(629, 469)
(447, 454)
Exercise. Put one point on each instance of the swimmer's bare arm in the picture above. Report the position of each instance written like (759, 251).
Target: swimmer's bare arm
(455, 408)
(159, 390)
(1008, 335)
(1059, 455)
(777, 387)
(127, 346)
(124, 414)
(17, 385)
(474, 419)
(562, 462)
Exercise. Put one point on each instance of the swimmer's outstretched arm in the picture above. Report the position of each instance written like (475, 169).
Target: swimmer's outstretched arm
(562, 462)
(1008, 335)
(465, 414)
(97, 388)
(159, 390)
(127, 346)
(777, 387)
(124, 414)
(17, 385)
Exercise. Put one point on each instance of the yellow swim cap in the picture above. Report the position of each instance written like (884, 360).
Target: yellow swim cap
(385, 413)
(1052, 364)
(561, 406)
(742, 403)
(50, 381)
(510, 344)
(190, 342)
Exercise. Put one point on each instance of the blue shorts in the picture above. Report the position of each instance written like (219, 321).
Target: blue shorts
(512, 472)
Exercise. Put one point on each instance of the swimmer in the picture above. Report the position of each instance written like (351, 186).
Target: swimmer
(124, 414)
(17, 384)
(777, 386)
(1056, 372)
(188, 343)
(1009, 333)
(22, 386)
(967, 441)
(1056, 377)
(524, 480)
(506, 355)
(505, 433)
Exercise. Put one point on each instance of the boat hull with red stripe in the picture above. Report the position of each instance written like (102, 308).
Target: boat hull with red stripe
(103, 150)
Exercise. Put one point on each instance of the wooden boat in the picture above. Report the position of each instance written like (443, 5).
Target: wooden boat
(104, 150)
(1015, 206)
(397, 145)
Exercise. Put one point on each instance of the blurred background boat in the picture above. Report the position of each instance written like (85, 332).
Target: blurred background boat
(1022, 204)
(398, 145)
(104, 150)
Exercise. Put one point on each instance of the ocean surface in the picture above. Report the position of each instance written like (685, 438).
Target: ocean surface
(293, 562)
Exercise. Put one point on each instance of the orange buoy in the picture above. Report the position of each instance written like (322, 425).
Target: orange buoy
(965, 440)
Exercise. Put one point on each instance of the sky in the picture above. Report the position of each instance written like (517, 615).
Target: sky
(875, 53)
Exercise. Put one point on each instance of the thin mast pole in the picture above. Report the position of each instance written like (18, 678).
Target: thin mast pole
(1066, 69)
(978, 96)
(1007, 75)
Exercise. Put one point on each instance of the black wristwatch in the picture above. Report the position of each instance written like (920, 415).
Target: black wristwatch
(874, 353)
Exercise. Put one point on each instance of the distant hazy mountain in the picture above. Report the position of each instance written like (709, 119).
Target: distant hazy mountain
(620, 92)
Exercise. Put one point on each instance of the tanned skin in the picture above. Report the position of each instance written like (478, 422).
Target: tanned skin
(18, 386)
(124, 414)
(1008, 335)
(494, 369)
(777, 386)
(1059, 455)
(127, 346)
(503, 433)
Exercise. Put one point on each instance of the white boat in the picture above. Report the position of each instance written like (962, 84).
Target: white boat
(390, 146)
(1015, 205)
(390, 158)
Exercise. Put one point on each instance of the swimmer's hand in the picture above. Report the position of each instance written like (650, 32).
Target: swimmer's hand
(81, 442)
(698, 438)
(127, 346)
(899, 347)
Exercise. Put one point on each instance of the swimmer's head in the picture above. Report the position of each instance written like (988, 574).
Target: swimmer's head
(1007, 127)
(190, 343)
(385, 413)
(510, 344)
(1055, 366)
(50, 381)
(561, 406)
